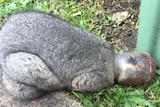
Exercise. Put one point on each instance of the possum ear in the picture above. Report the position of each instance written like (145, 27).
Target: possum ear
(123, 51)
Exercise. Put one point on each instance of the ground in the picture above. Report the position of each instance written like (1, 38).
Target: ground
(96, 16)
(124, 36)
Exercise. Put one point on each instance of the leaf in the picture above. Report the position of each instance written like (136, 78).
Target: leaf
(1, 1)
(119, 17)
(88, 103)
(78, 95)
(76, 14)
(12, 6)
(140, 101)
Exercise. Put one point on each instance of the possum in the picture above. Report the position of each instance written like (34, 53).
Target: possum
(40, 52)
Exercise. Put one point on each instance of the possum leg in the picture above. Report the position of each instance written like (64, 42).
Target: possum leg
(28, 70)
(92, 81)
(20, 90)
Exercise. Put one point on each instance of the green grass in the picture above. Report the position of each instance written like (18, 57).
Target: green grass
(89, 15)
(124, 96)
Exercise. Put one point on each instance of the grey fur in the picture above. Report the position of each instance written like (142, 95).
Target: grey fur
(20, 90)
(42, 51)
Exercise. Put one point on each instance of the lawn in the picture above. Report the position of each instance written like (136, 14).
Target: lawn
(91, 15)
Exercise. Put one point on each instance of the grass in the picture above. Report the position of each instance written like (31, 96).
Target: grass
(124, 96)
(89, 15)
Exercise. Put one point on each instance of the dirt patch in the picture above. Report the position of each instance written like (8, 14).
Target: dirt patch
(122, 36)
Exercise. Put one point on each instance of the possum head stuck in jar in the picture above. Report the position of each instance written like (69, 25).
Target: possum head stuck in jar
(134, 68)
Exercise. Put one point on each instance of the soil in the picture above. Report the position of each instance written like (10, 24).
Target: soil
(124, 35)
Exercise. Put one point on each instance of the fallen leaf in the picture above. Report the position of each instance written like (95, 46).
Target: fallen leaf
(119, 17)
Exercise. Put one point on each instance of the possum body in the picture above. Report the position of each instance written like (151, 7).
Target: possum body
(41, 52)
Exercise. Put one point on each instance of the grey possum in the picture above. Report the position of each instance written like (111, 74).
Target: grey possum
(40, 52)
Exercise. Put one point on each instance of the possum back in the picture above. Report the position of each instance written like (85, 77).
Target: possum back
(67, 50)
